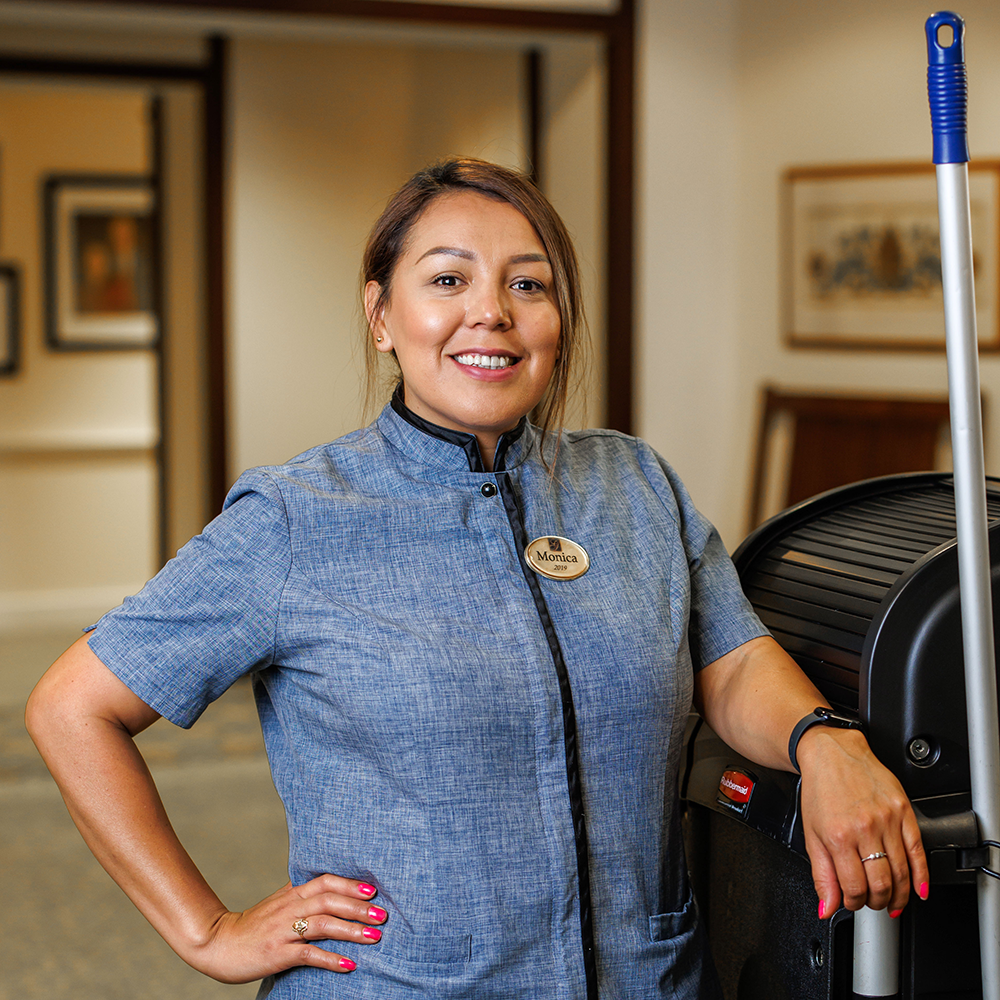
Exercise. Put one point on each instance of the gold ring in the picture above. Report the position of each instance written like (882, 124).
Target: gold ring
(875, 856)
(301, 926)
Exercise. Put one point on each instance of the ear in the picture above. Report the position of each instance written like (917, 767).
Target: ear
(375, 315)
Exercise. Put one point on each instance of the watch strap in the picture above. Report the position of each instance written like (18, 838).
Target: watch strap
(820, 716)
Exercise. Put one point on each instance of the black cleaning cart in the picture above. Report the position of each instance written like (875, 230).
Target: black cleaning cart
(860, 586)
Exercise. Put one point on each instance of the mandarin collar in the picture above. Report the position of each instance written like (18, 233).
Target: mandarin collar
(427, 442)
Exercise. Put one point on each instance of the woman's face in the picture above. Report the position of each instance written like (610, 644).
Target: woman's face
(472, 317)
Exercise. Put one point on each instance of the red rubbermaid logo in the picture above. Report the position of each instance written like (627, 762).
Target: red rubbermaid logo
(736, 786)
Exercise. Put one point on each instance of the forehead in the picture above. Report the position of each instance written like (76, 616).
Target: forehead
(472, 221)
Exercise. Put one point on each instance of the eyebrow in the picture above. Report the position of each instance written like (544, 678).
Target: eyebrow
(523, 258)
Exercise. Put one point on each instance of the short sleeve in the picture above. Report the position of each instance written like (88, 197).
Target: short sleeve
(210, 615)
(720, 617)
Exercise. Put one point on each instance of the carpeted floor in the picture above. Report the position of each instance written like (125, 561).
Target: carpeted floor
(66, 930)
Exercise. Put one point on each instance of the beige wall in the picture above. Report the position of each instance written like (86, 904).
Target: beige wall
(730, 93)
(573, 166)
(323, 132)
(733, 92)
(814, 88)
(687, 372)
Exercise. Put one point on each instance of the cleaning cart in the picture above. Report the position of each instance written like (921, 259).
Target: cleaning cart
(885, 593)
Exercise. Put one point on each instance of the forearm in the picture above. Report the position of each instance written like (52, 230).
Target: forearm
(112, 799)
(83, 718)
(115, 805)
(852, 807)
(753, 698)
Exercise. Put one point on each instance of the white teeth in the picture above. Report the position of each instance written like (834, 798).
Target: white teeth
(484, 360)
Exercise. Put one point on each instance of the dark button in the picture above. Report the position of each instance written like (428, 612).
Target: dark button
(488, 490)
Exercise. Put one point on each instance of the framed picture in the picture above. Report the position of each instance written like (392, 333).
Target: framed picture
(862, 256)
(101, 268)
(10, 319)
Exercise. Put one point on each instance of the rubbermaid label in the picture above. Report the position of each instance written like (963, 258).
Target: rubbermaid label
(736, 786)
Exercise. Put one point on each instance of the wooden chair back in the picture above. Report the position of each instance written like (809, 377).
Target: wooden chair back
(811, 442)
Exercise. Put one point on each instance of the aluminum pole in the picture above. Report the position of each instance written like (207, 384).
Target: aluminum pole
(948, 99)
(876, 954)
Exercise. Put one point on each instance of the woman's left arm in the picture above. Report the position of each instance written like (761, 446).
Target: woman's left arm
(852, 806)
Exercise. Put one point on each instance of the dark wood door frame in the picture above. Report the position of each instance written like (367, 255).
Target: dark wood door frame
(210, 75)
(617, 31)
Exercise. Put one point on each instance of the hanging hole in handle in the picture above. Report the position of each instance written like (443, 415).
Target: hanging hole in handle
(945, 36)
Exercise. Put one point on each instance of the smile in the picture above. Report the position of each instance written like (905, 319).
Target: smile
(486, 361)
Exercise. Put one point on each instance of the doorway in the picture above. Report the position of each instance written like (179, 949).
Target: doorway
(106, 454)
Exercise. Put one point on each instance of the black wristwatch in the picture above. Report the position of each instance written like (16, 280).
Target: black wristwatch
(818, 717)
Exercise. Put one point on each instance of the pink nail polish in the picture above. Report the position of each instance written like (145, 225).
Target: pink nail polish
(377, 913)
(372, 933)
(895, 913)
(822, 909)
(348, 965)
(366, 890)
(923, 890)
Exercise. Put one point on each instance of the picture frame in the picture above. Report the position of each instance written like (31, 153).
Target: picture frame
(10, 319)
(861, 256)
(101, 267)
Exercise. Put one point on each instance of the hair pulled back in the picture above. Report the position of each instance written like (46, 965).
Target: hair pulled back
(388, 238)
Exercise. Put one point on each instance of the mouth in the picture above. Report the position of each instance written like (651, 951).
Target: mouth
(488, 361)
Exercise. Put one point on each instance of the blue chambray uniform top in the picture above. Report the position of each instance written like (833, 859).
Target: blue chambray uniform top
(496, 751)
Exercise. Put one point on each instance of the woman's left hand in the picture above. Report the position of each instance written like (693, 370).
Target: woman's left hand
(854, 808)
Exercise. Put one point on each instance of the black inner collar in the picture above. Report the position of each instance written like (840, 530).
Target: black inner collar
(462, 439)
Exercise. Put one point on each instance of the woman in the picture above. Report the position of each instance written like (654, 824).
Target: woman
(474, 643)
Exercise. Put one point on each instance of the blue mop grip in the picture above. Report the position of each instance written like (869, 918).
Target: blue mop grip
(947, 89)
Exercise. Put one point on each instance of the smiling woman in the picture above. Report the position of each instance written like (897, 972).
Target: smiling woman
(514, 258)
(473, 323)
(473, 694)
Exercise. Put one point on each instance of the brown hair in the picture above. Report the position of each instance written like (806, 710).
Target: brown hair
(388, 238)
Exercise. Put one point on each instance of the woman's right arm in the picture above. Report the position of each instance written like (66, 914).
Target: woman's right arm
(83, 720)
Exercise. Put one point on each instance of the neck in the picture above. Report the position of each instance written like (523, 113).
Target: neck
(480, 448)
(487, 448)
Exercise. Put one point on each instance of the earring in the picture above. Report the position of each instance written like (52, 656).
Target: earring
(378, 340)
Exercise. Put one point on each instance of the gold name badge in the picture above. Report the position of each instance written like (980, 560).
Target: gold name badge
(557, 558)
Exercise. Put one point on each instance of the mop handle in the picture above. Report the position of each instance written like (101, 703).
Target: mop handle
(947, 89)
(948, 93)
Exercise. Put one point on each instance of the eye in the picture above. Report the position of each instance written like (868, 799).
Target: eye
(446, 280)
(528, 285)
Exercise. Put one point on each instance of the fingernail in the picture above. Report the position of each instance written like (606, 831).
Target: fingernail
(366, 890)
(348, 965)
(372, 933)
(895, 913)
(923, 890)
(822, 909)
(377, 913)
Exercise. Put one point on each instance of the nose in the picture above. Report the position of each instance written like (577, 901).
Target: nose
(489, 308)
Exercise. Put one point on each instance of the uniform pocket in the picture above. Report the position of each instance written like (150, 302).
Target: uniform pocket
(677, 954)
(667, 926)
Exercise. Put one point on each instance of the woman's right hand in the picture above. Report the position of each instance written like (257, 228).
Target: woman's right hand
(263, 940)
(83, 718)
